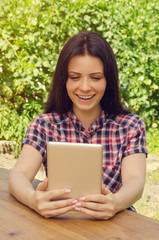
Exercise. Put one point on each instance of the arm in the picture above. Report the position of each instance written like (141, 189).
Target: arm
(106, 205)
(133, 173)
(20, 186)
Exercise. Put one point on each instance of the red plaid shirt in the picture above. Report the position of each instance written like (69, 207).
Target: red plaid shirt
(120, 136)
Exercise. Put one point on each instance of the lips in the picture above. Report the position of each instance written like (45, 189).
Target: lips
(85, 97)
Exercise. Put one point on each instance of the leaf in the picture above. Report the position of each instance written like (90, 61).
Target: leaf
(32, 34)
(87, 18)
(141, 78)
(35, 72)
(3, 45)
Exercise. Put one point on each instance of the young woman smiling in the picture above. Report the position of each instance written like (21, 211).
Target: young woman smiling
(84, 106)
(86, 86)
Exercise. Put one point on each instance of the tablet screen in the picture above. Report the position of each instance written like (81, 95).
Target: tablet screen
(75, 165)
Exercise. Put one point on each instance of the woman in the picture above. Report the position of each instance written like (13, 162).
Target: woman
(84, 106)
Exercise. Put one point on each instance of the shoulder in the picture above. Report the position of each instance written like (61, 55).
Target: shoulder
(49, 118)
(128, 120)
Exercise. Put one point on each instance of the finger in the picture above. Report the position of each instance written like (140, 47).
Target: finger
(43, 185)
(60, 204)
(57, 193)
(57, 212)
(100, 198)
(91, 205)
(105, 190)
(94, 214)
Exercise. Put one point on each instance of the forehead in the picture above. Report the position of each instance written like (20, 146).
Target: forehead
(83, 63)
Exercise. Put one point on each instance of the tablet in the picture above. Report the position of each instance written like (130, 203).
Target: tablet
(75, 165)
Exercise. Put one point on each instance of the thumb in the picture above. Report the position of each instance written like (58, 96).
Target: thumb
(105, 190)
(43, 185)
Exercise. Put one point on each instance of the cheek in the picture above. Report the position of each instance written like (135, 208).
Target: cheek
(101, 88)
(70, 88)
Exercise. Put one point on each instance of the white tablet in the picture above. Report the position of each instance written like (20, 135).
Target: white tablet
(75, 165)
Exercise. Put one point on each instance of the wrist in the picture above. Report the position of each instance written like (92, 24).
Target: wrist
(30, 198)
(118, 202)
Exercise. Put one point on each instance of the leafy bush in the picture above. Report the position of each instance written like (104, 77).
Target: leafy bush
(33, 33)
(152, 141)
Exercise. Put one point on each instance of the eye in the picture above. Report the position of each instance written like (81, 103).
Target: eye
(74, 77)
(96, 78)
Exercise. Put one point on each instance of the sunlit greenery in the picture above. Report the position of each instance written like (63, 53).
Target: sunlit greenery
(32, 33)
(153, 141)
(145, 206)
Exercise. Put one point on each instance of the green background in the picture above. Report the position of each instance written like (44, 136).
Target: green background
(32, 33)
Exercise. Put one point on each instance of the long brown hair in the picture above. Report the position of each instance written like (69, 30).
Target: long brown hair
(92, 44)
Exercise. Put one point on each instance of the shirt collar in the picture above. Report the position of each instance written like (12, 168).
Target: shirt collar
(98, 123)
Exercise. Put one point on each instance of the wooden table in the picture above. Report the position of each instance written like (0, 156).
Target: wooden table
(19, 222)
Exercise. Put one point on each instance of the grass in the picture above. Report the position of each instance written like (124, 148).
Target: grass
(153, 141)
(145, 206)
(153, 176)
(146, 209)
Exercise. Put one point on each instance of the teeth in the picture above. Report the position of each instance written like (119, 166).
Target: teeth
(85, 97)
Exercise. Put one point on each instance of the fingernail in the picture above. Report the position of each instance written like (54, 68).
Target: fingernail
(78, 204)
(78, 209)
(82, 198)
(68, 190)
(74, 201)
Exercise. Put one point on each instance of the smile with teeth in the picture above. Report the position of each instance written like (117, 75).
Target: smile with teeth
(85, 97)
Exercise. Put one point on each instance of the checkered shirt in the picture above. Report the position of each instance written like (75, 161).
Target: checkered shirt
(120, 136)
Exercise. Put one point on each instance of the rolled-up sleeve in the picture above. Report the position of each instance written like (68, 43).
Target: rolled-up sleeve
(136, 140)
(36, 137)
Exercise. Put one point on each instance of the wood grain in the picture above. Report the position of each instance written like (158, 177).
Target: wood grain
(19, 222)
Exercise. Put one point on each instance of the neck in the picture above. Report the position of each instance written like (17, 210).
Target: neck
(87, 117)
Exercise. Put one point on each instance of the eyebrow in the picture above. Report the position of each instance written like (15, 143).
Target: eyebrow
(97, 73)
(89, 74)
(74, 72)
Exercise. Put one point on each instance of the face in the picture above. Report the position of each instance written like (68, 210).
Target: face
(86, 84)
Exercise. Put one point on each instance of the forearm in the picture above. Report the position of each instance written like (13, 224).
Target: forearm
(129, 193)
(21, 188)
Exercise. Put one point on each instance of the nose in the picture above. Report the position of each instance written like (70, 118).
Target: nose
(85, 85)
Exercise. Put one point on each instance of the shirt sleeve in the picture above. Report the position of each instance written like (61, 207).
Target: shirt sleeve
(36, 137)
(136, 139)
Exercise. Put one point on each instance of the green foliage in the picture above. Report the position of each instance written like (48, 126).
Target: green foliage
(145, 205)
(153, 177)
(152, 141)
(32, 33)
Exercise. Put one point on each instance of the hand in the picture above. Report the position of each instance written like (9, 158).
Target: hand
(45, 204)
(100, 206)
